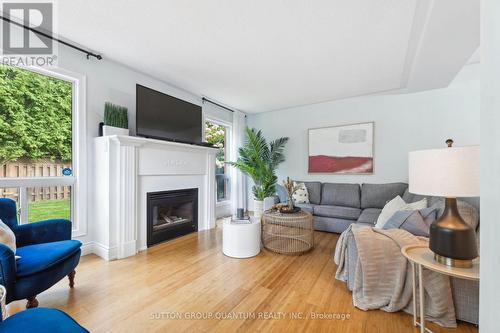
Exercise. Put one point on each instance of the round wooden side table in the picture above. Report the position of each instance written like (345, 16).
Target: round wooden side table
(288, 233)
(420, 257)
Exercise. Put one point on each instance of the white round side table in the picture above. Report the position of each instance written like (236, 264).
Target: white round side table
(422, 257)
(241, 239)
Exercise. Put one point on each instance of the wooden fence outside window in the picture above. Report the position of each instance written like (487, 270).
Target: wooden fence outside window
(38, 168)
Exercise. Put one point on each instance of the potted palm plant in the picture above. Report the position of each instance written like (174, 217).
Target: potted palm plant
(259, 160)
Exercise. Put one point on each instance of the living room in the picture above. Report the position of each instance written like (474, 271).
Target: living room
(228, 166)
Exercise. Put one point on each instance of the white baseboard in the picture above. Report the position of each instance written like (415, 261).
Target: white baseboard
(87, 248)
(127, 249)
(100, 250)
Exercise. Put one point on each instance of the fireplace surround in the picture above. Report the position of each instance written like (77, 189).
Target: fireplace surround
(126, 169)
(171, 214)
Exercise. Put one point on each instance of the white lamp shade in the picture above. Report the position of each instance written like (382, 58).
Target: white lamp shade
(448, 172)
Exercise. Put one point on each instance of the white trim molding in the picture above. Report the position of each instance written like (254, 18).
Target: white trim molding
(131, 167)
(78, 181)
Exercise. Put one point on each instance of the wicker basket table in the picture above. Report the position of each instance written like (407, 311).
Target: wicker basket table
(288, 233)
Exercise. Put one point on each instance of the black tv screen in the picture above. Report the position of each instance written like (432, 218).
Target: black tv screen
(164, 117)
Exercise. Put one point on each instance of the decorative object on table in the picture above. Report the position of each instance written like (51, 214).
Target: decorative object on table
(421, 257)
(240, 213)
(259, 160)
(241, 238)
(115, 120)
(344, 149)
(288, 233)
(287, 210)
(450, 172)
(290, 188)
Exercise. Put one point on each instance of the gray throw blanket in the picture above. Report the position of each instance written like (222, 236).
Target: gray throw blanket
(383, 276)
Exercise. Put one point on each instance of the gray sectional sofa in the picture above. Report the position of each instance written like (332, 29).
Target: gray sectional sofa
(335, 206)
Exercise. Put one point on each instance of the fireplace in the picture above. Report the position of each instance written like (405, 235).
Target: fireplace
(171, 214)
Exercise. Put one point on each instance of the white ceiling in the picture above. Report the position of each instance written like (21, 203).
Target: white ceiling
(265, 55)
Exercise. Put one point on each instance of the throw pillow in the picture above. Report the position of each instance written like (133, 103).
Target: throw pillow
(395, 205)
(301, 196)
(417, 222)
(389, 209)
(416, 205)
(3, 297)
(7, 237)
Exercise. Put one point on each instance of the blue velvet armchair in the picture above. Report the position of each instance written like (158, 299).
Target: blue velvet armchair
(47, 253)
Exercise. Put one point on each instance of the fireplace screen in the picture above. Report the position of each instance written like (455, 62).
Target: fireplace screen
(171, 214)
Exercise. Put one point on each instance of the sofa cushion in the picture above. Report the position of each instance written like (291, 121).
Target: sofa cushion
(308, 207)
(369, 215)
(341, 212)
(377, 195)
(38, 257)
(41, 320)
(336, 194)
(314, 191)
(331, 224)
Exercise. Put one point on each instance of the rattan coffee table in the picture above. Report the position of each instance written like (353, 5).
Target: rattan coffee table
(288, 233)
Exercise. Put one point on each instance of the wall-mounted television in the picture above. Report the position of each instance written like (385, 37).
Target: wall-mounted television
(164, 117)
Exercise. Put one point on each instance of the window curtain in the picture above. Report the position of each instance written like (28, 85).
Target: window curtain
(238, 184)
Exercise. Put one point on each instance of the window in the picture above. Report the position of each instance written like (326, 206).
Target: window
(37, 142)
(217, 134)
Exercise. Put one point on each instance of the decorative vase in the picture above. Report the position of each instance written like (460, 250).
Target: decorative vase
(291, 206)
(111, 130)
(258, 207)
(268, 203)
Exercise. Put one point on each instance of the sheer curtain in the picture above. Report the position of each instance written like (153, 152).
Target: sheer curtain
(237, 122)
(238, 184)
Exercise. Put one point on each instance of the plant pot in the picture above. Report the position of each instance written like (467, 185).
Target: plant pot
(258, 208)
(111, 130)
(268, 203)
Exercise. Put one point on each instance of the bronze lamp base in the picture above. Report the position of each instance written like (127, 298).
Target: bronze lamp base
(451, 239)
(453, 262)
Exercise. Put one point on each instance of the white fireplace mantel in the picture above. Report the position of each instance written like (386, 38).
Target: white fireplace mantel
(127, 168)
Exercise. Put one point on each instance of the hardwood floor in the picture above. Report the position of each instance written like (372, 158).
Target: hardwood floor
(190, 276)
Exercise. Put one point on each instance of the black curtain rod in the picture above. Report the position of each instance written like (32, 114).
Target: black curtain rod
(38, 32)
(214, 103)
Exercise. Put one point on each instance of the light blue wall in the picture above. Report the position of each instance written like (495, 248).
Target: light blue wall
(403, 122)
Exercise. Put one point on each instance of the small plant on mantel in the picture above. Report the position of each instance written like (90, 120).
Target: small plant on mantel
(115, 115)
(259, 160)
(115, 119)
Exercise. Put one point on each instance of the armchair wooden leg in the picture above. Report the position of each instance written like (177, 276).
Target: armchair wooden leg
(71, 277)
(32, 302)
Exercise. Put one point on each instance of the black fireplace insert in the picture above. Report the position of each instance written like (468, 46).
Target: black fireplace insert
(171, 214)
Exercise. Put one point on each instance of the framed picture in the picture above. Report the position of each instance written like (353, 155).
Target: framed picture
(346, 149)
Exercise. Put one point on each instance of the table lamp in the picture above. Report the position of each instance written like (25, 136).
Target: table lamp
(450, 173)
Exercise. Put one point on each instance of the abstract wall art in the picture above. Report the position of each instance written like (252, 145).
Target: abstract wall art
(346, 149)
